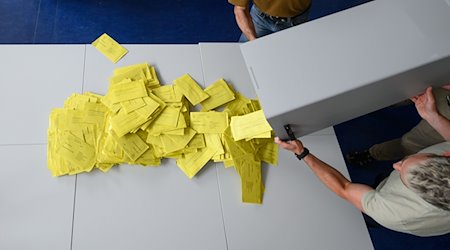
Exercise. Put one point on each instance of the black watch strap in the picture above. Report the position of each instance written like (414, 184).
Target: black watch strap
(303, 154)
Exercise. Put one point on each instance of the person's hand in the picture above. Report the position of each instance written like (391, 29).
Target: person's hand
(426, 104)
(295, 146)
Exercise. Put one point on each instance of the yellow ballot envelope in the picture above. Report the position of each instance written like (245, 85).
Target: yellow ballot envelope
(139, 121)
(110, 48)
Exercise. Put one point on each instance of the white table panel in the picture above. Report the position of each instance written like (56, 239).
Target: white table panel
(298, 211)
(147, 208)
(133, 207)
(36, 209)
(224, 60)
(170, 62)
(35, 79)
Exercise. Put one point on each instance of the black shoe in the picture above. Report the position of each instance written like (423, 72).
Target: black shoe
(359, 158)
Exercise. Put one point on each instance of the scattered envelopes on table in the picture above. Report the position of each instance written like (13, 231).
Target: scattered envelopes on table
(140, 122)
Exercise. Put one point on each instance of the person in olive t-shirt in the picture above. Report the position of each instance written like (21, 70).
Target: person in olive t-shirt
(266, 17)
(415, 198)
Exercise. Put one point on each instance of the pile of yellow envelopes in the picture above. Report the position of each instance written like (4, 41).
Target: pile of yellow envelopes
(140, 122)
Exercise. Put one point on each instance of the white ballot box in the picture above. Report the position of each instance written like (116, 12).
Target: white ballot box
(350, 63)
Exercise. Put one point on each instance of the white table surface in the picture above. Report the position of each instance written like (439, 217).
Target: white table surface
(35, 209)
(35, 79)
(133, 207)
(298, 211)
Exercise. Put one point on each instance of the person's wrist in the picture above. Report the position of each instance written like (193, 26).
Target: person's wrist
(433, 118)
(299, 151)
(302, 154)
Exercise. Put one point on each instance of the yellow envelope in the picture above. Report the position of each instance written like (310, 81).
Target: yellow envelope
(191, 164)
(127, 91)
(209, 122)
(190, 89)
(249, 125)
(220, 94)
(110, 48)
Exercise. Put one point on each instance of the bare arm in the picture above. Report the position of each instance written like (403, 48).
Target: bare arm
(426, 107)
(244, 21)
(333, 179)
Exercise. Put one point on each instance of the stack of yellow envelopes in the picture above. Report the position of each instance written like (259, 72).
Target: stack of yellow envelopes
(140, 122)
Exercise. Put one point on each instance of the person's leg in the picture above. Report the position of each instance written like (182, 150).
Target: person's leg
(389, 150)
(263, 25)
(418, 138)
(423, 135)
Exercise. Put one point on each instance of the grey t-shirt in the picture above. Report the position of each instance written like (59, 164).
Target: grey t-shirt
(396, 207)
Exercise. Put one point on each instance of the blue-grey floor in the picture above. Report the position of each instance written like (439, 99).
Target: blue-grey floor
(177, 21)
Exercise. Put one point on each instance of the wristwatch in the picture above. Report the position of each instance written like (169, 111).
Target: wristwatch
(303, 154)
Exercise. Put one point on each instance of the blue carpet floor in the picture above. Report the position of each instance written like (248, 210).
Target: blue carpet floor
(177, 21)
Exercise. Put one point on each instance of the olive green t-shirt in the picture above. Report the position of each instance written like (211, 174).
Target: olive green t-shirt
(396, 207)
(279, 8)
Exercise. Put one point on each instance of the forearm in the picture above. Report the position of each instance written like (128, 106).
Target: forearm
(441, 125)
(332, 178)
(245, 23)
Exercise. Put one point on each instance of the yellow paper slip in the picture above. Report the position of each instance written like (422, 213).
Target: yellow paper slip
(94, 113)
(132, 145)
(174, 143)
(269, 153)
(168, 117)
(220, 93)
(127, 91)
(265, 135)
(149, 158)
(77, 152)
(190, 89)
(150, 107)
(237, 149)
(135, 74)
(249, 126)
(144, 67)
(239, 106)
(209, 122)
(191, 164)
(251, 181)
(132, 105)
(123, 122)
(167, 93)
(213, 141)
(110, 48)
(197, 141)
